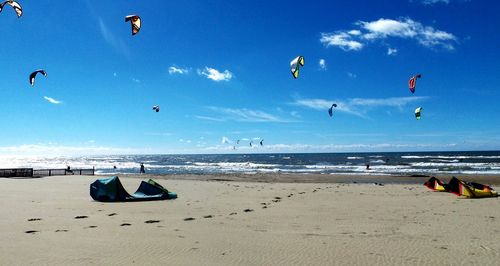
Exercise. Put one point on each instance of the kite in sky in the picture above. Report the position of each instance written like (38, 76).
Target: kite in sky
(296, 63)
(330, 111)
(15, 5)
(412, 83)
(33, 75)
(156, 108)
(417, 113)
(135, 21)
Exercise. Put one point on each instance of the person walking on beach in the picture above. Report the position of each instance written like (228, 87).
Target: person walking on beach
(142, 169)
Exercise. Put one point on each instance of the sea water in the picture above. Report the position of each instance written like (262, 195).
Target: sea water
(393, 163)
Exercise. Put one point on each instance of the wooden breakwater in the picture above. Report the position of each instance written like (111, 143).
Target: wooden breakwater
(30, 172)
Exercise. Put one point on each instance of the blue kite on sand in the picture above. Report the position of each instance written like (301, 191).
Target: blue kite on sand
(111, 190)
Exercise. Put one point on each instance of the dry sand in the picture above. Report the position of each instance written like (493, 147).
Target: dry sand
(285, 224)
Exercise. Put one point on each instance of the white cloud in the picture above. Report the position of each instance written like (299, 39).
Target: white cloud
(357, 106)
(322, 64)
(431, 2)
(52, 100)
(136, 80)
(215, 74)
(382, 28)
(225, 140)
(392, 51)
(50, 149)
(177, 70)
(246, 115)
(340, 39)
(354, 147)
(354, 32)
(351, 75)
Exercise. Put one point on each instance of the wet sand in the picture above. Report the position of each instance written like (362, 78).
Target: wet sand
(270, 220)
(323, 178)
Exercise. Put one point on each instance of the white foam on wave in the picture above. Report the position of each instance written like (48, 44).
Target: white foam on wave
(449, 157)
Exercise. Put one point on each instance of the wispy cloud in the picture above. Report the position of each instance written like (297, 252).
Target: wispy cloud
(382, 28)
(392, 51)
(351, 75)
(431, 2)
(117, 43)
(215, 75)
(246, 115)
(354, 147)
(322, 64)
(342, 40)
(177, 70)
(208, 118)
(52, 100)
(58, 150)
(136, 80)
(357, 106)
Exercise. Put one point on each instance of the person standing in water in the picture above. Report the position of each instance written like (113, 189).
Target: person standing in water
(143, 171)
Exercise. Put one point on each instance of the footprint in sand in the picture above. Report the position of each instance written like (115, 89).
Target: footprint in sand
(61, 230)
(31, 232)
(208, 216)
(34, 219)
(90, 226)
(233, 213)
(125, 224)
(188, 219)
(264, 207)
(248, 210)
(81, 217)
(112, 214)
(151, 221)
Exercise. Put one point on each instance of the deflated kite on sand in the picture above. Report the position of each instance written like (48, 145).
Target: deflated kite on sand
(112, 190)
(461, 188)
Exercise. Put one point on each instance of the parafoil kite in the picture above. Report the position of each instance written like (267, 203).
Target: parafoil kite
(135, 21)
(296, 63)
(330, 111)
(417, 113)
(15, 5)
(156, 108)
(412, 83)
(33, 75)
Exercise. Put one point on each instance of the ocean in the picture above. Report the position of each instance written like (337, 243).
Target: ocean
(390, 163)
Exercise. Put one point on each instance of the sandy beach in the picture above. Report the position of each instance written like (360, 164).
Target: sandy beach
(289, 221)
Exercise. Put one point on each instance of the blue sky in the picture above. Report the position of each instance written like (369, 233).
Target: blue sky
(219, 70)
